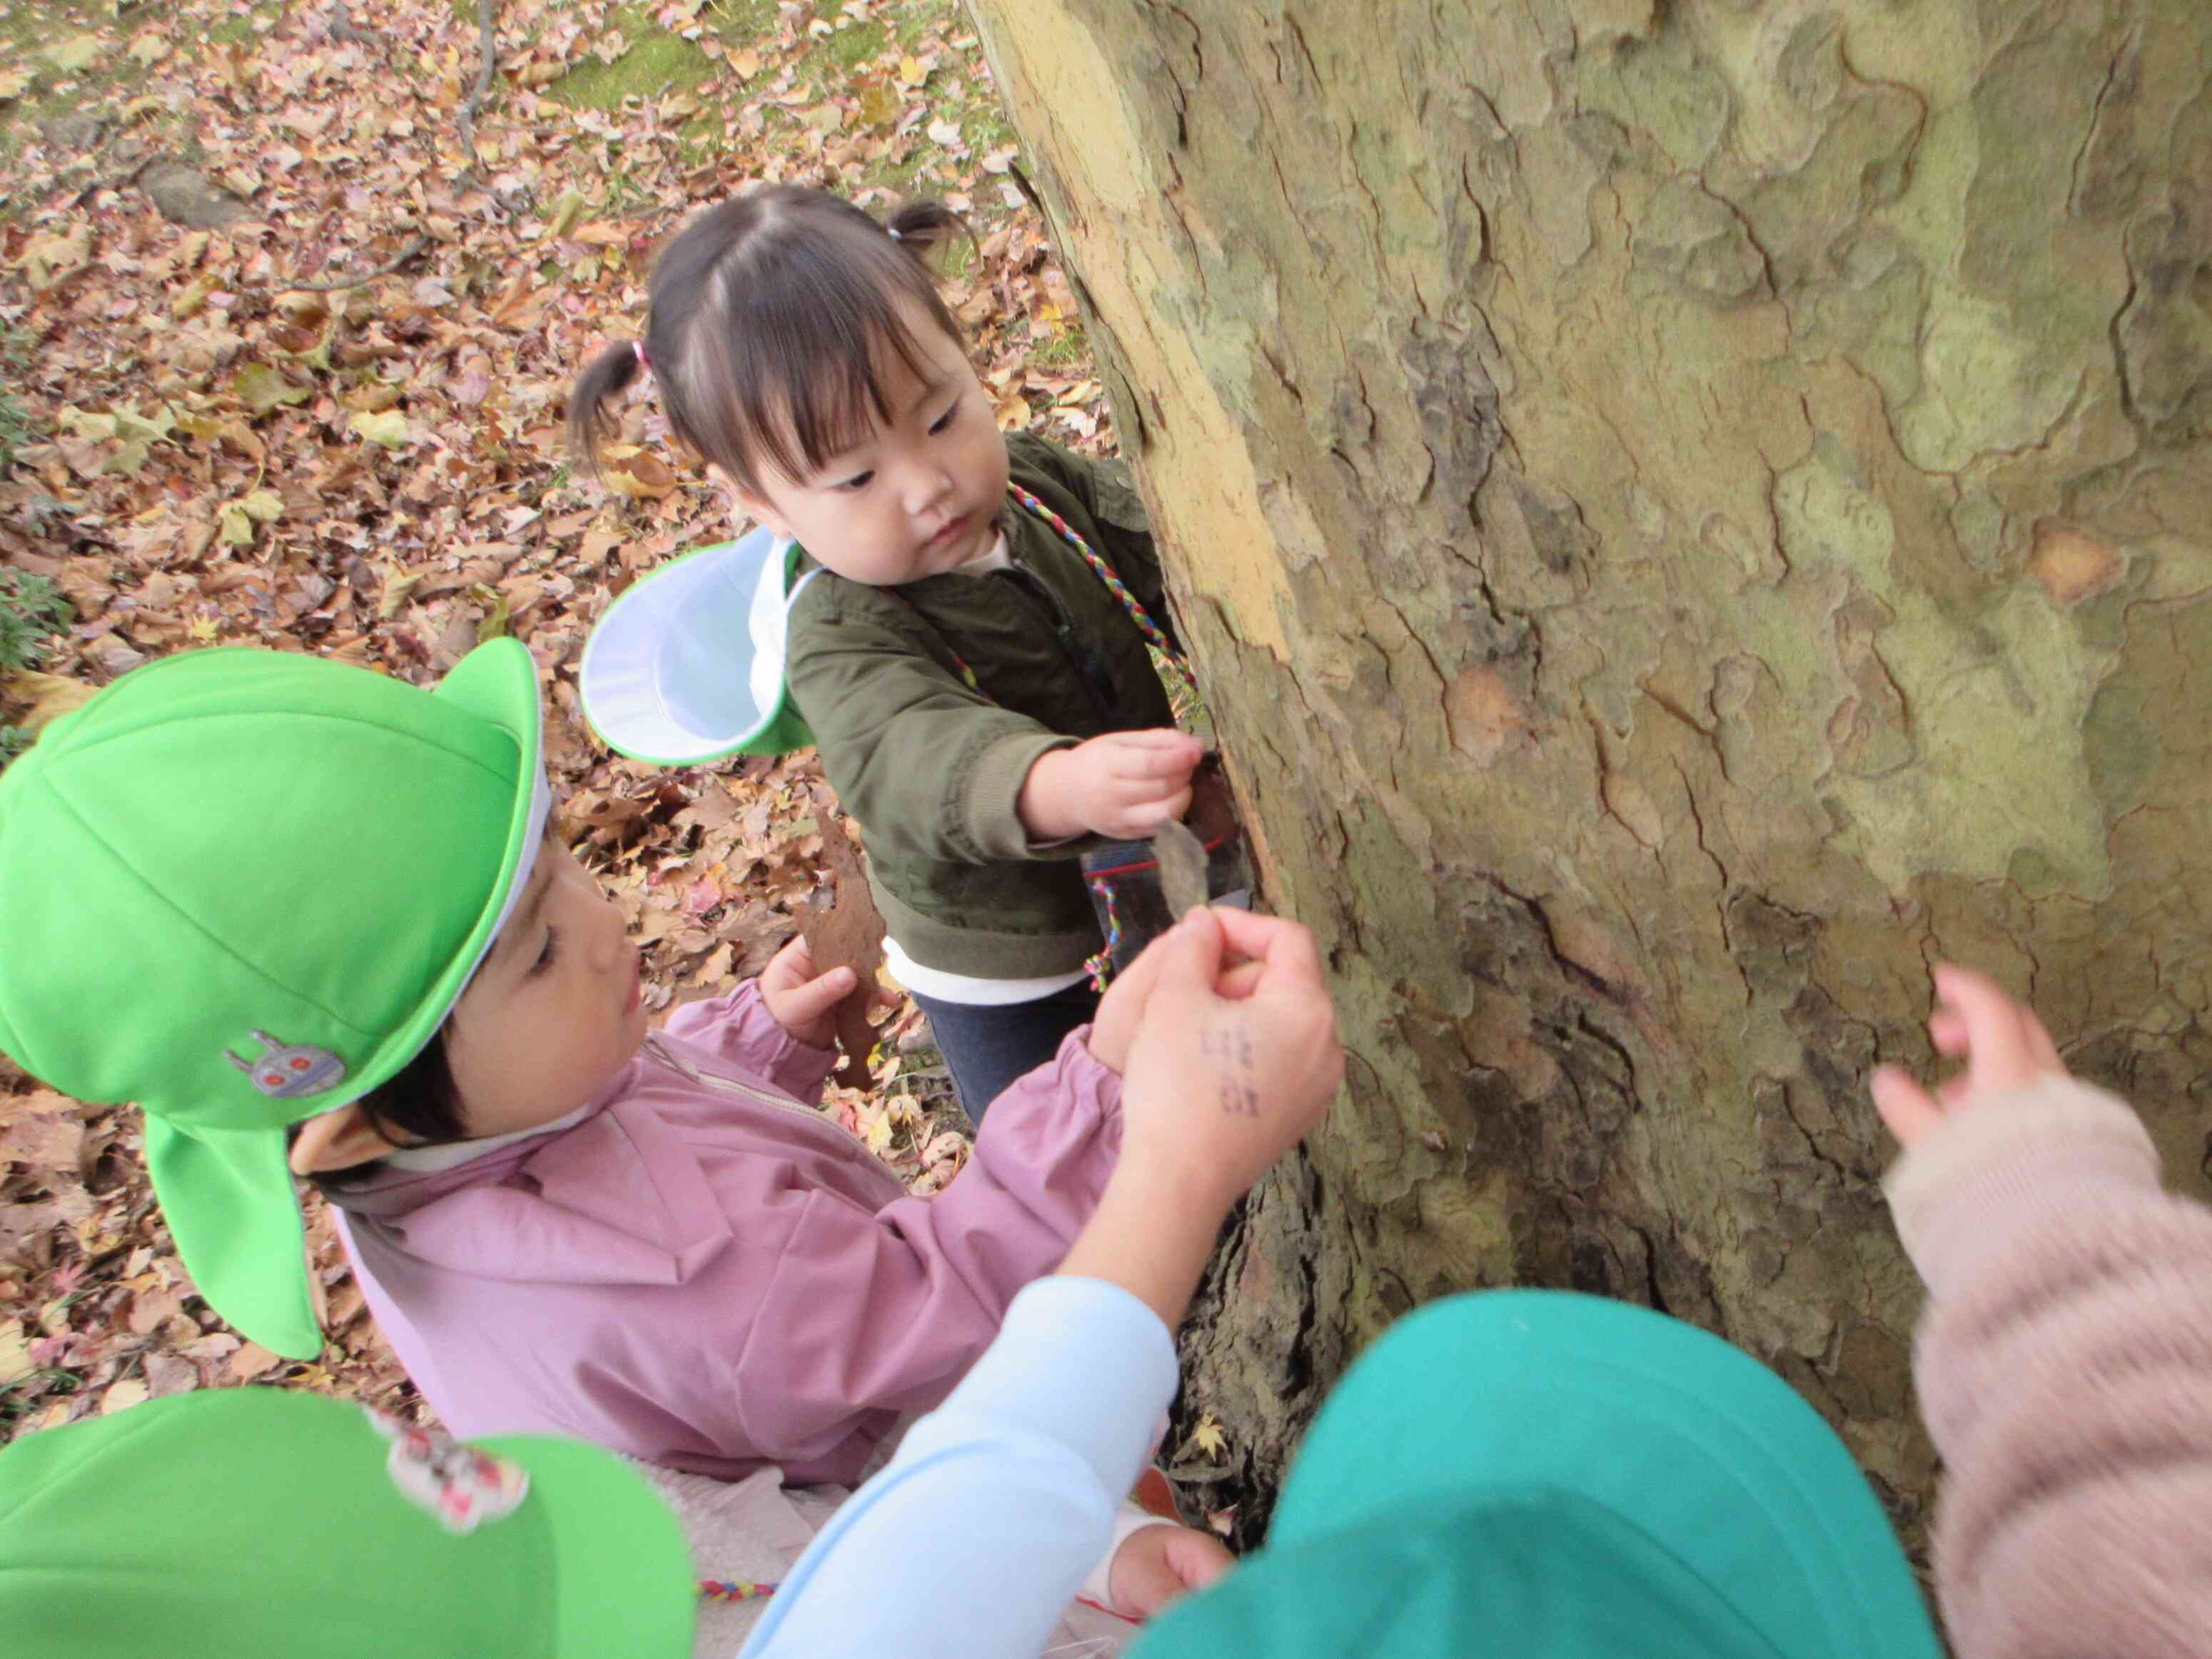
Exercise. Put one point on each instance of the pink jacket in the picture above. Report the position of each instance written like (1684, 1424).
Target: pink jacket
(2065, 1371)
(706, 1274)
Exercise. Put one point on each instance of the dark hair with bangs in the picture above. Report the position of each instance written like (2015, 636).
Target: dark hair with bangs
(418, 1105)
(769, 317)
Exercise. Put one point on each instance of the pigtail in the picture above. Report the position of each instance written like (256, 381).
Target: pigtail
(928, 230)
(591, 422)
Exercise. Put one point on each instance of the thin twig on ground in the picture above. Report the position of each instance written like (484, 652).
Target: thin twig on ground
(487, 64)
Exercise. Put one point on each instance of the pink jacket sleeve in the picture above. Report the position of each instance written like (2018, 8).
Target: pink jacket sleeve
(738, 1027)
(887, 1309)
(2064, 1363)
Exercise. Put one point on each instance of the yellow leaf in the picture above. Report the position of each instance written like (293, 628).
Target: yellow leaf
(150, 49)
(15, 1350)
(79, 51)
(1207, 1438)
(911, 72)
(85, 424)
(14, 83)
(261, 506)
(122, 1396)
(193, 300)
(388, 428)
(204, 630)
(48, 257)
(566, 212)
(745, 63)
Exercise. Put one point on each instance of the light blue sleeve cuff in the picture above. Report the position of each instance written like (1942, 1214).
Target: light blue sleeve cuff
(1015, 1478)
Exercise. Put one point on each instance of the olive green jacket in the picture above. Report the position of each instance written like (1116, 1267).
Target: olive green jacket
(932, 766)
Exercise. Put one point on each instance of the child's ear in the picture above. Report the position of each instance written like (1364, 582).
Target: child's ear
(338, 1141)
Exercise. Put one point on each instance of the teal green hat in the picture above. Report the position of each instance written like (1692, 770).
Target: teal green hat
(258, 1520)
(687, 665)
(243, 888)
(1549, 1476)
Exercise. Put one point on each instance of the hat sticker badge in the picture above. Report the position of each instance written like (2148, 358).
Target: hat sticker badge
(462, 1486)
(288, 1071)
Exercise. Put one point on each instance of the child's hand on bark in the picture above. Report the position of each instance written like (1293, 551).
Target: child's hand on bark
(2002, 1042)
(1234, 1057)
(1121, 786)
(1121, 1009)
(1156, 1566)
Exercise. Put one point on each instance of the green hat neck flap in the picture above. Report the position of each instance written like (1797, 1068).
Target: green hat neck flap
(244, 888)
(1544, 1475)
(687, 665)
(259, 1521)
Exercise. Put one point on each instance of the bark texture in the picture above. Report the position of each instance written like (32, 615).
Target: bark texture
(1685, 511)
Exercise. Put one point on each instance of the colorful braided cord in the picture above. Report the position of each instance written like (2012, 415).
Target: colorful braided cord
(734, 1589)
(1101, 966)
(1138, 614)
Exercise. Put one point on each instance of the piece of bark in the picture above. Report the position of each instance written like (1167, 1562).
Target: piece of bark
(843, 928)
(1182, 868)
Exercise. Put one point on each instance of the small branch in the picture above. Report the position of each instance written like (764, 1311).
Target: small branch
(366, 277)
(487, 62)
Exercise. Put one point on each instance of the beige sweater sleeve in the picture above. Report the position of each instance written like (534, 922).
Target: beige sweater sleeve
(2064, 1363)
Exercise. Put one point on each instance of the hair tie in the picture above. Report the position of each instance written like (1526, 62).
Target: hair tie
(638, 346)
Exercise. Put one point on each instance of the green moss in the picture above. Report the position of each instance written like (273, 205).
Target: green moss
(741, 22)
(27, 30)
(656, 65)
(246, 30)
(848, 48)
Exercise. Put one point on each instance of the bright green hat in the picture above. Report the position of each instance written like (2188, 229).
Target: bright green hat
(687, 665)
(243, 888)
(258, 1520)
(1549, 1476)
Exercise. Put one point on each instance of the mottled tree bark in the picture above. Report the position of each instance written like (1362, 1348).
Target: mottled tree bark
(1686, 511)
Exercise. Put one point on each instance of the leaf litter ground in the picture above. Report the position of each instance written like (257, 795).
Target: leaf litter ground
(289, 298)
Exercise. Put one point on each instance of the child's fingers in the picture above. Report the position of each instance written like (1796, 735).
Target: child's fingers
(1190, 960)
(1142, 818)
(1138, 762)
(1282, 946)
(802, 1005)
(1239, 982)
(1992, 1019)
(1947, 1029)
(2040, 1047)
(793, 963)
(1909, 1110)
(1198, 1561)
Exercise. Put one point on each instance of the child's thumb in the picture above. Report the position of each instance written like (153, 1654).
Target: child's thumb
(1192, 959)
(804, 1004)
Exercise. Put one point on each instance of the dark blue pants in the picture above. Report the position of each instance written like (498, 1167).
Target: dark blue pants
(988, 1047)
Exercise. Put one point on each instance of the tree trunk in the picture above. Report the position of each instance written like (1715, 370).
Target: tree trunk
(1686, 511)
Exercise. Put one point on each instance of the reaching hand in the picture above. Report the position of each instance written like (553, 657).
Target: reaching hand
(1158, 1565)
(1232, 1062)
(1121, 786)
(2002, 1042)
(800, 999)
